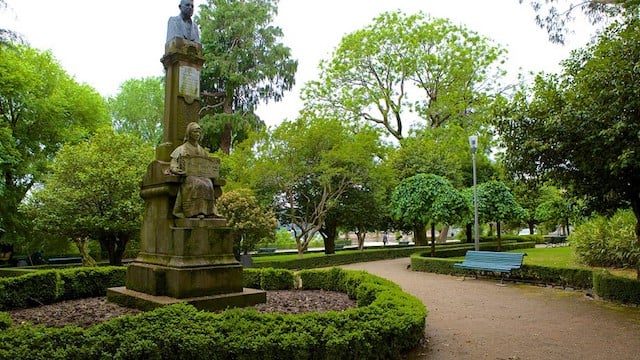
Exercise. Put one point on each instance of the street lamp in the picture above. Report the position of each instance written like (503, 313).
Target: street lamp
(473, 142)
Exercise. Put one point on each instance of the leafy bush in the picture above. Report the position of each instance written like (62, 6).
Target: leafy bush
(43, 287)
(607, 242)
(5, 321)
(48, 286)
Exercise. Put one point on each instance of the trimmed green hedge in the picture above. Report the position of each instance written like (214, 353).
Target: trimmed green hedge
(386, 323)
(604, 284)
(386, 253)
(616, 288)
(48, 286)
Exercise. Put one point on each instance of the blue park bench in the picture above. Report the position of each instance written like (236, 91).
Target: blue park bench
(491, 261)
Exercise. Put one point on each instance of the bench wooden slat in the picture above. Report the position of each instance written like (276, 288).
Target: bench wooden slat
(491, 261)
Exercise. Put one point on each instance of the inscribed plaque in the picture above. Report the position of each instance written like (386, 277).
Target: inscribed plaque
(202, 167)
(189, 82)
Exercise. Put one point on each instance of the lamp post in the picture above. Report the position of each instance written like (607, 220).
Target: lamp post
(473, 143)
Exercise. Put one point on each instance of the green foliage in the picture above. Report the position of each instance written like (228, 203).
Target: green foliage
(245, 64)
(607, 241)
(84, 282)
(442, 151)
(496, 203)
(138, 108)
(401, 64)
(93, 192)
(5, 321)
(42, 287)
(48, 286)
(615, 288)
(41, 108)
(427, 198)
(276, 279)
(391, 324)
(558, 126)
(306, 166)
(250, 221)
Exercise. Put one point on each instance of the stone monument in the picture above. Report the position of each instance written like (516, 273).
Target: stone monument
(186, 250)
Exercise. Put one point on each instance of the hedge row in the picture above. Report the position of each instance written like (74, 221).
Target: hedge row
(386, 323)
(386, 253)
(604, 284)
(49, 286)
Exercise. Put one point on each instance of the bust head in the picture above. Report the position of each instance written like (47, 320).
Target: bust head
(193, 132)
(186, 9)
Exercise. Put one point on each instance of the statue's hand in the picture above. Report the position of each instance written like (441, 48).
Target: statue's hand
(178, 171)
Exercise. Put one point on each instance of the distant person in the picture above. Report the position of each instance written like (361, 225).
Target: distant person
(385, 239)
(182, 26)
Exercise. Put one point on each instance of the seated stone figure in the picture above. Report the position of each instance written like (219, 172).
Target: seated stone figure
(196, 197)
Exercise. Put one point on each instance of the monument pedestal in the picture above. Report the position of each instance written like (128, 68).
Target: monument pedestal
(181, 260)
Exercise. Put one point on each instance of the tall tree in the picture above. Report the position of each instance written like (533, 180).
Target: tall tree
(401, 66)
(581, 127)
(245, 62)
(41, 108)
(138, 108)
(308, 165)
(94, 191)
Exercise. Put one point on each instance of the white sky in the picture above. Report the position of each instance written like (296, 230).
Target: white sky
(104, 43)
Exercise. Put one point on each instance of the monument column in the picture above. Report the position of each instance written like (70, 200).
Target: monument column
(182, 62)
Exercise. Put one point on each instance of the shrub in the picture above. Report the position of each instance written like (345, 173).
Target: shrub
(5, 321)
(607, 242)
(42, 287)
(615, 288)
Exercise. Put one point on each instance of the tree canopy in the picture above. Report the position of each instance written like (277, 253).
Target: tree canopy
(427, 199)
(138, 108)
(94, 191)
(245, 64)
(41, 108)
(580, 127)
(403, 67)
(307, 165)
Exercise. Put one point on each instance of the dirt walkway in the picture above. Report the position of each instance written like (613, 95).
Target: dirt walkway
(475, 319)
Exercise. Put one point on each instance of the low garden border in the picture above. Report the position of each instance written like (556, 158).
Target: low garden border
(386, 322)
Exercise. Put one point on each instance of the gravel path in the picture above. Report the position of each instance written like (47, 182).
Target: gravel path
(475, 319)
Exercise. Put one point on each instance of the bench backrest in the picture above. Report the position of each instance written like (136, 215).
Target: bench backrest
(491, 257)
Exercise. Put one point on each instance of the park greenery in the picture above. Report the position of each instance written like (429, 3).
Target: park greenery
(380, 145)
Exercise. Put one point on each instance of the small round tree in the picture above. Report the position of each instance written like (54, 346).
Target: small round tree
(249, 221)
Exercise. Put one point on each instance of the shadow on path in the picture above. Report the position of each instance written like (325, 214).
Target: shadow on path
(475, 319)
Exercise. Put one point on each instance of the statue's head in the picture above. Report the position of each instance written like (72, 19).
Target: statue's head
(186, 8)
(193, 129)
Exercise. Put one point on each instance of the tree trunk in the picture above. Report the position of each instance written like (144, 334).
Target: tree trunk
(443, 235)
(469, 233)
(225, 139)
(635, 205)
(329, 233)
(433, 240)
(83, 246)
(361, 236)
(498, 235)
(420, 235)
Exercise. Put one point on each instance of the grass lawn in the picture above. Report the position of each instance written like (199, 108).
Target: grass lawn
(563, 257)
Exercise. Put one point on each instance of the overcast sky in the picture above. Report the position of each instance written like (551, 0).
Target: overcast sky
(104, 43)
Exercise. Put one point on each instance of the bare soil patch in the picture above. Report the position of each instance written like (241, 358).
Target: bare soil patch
(91, 311)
